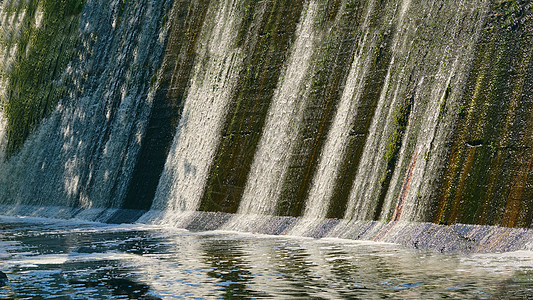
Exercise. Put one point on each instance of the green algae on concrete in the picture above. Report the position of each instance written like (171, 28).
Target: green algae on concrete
(45, 46)
(401, 119)
(488, 178)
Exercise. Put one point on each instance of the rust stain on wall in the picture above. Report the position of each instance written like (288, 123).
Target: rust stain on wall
(405, 189)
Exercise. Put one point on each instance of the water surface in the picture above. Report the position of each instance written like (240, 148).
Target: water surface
(47, 259)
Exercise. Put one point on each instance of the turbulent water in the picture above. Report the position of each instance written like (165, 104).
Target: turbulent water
(72, 260)
(334, 112)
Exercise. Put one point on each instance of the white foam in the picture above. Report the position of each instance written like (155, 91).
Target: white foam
(507, 262)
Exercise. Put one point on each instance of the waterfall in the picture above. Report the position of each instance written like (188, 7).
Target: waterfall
(303, 117)
(319, 198)
(420, 159)
(376, 178)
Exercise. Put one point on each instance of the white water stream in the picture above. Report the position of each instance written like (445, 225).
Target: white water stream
(280, 133)
(199, 131)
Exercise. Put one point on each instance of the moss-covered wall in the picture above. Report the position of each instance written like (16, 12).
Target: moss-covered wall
(43, 45)
(489, 177)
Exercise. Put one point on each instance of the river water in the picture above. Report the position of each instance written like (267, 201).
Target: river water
(50, 259)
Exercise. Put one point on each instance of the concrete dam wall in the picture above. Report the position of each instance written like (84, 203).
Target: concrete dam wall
(303, 115)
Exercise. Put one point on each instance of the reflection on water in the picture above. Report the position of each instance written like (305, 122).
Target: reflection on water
(46, 259)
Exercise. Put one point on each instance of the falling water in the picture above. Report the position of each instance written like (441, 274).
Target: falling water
(271, 160)
(368, 166)
(198, 132)
(82, 153)
(320, 194)
(418, 160)
(375, 178)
